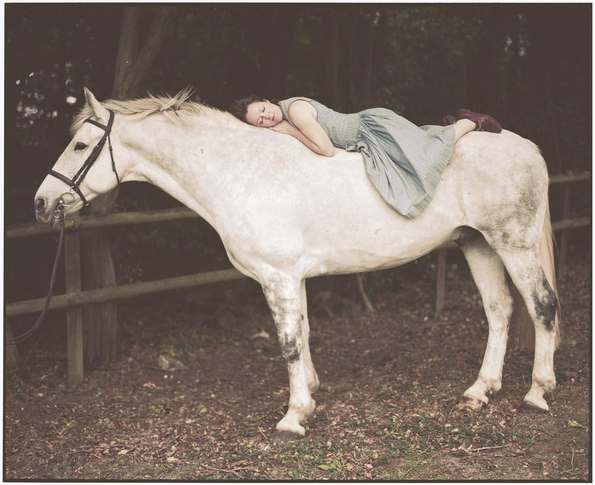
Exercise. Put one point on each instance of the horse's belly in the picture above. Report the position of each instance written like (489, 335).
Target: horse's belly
(382, 239)
(354, 262)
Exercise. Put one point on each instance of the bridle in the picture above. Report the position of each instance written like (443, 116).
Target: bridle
(75, 182)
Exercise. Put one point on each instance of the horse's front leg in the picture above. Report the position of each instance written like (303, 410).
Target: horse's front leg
(284, 296)
(313, 382)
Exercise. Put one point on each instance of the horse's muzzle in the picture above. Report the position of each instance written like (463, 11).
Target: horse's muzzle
(49, 213)
(41, 209)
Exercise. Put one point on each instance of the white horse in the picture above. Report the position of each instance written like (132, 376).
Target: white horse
(285, 214)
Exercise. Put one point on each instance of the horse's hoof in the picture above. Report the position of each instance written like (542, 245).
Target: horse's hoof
(290, 427)
(470, 404)
(535, 406)
(286, 436)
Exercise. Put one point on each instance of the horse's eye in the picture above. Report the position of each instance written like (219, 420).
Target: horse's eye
(79, 146)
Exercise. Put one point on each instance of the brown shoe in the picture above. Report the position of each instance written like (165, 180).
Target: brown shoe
(484, 122)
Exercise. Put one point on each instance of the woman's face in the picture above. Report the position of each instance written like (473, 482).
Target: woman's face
(264, 114)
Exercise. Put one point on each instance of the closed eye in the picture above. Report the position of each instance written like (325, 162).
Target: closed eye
(79, 146)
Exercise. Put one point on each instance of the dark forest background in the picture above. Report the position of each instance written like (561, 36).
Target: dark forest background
(529, 65)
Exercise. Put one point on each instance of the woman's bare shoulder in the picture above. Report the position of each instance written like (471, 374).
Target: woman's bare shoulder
(301, 108)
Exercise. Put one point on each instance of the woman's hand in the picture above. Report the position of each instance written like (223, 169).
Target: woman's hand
(282, 127)
(323, 147)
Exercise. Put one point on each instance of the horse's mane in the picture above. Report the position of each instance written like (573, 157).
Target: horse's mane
(173, 107)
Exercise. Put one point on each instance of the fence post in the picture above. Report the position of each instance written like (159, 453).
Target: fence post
(563, 254)
(74, 316)
(11, 353)
(440, 281)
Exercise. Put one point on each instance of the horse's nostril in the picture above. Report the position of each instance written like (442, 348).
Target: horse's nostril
(40, 204)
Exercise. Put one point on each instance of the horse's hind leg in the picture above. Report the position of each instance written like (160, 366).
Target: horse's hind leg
(541, 301)
(284, 296)
(490, 277)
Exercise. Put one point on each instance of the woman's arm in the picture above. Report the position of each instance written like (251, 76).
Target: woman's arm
(308, 130)
(289, 129)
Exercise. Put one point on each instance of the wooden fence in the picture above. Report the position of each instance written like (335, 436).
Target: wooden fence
(75, 297)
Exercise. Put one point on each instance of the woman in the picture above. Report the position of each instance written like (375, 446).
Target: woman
(402, 160)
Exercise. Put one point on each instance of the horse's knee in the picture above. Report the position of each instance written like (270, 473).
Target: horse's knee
(289, 335)
(500, 309)
(545, 304)
(290, 346)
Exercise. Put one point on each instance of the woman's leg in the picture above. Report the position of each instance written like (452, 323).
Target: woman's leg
(462, 127)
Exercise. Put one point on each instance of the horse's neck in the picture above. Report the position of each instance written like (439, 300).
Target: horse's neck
(196, 165)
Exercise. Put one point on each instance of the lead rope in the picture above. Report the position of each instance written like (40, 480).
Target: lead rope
(25, 335)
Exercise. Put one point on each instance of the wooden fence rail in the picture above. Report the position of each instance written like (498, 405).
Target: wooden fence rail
(121, 292)
(75, 297)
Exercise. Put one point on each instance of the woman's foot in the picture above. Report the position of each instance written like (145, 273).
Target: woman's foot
(484, 122)
(462, 127)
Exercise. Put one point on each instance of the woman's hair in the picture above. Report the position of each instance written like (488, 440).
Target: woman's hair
(240, 106)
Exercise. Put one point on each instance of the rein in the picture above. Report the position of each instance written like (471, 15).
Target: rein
(74, 184)
(59, 213)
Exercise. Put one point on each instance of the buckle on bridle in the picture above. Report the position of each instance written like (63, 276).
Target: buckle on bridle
(59, 211)
(76, 180)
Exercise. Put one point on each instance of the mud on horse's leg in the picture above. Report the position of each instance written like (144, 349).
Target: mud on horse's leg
(541, 301)
(284, 297)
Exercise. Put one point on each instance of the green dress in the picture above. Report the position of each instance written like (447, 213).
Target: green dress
(403, 161)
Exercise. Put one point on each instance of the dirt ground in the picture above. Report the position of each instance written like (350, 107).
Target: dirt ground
(386, 408)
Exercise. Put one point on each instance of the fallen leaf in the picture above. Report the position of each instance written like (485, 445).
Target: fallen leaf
(163, 362)
(169, 363)
(262, 334)
(575, 424)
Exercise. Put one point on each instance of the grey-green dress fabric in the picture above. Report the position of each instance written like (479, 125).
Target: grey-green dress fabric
(403, 161)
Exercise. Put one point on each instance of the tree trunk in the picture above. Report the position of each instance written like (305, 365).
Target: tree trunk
(483, 63)
(133, 63)
(354, 30)
(274, 56)
(332, 88)
(101, 337)
(375, 25)
(360, 35)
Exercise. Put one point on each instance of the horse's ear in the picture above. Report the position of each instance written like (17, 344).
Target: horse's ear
(98, 109)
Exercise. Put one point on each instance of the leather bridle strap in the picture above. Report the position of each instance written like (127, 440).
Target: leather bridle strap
(75, 181)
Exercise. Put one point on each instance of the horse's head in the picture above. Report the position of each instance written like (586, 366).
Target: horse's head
(86, 168)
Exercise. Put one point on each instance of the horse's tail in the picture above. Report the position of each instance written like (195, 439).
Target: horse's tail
(521, 318)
